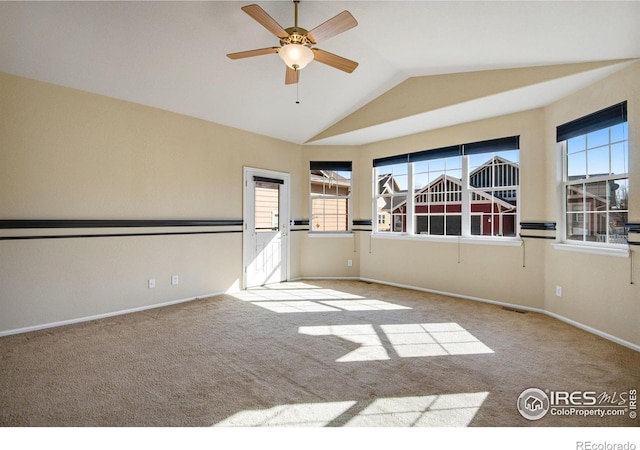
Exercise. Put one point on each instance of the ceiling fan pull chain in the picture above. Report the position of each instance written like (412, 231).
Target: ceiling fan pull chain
(297, 93)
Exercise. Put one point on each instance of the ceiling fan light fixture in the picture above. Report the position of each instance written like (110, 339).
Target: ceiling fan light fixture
(296, 56)
(297, 44)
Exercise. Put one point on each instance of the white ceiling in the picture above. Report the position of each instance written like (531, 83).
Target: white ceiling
(172, 55)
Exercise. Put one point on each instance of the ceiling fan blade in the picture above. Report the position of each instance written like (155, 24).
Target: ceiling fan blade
(336, 25)
(335, 61)
(264, 19)
(257, 52)
(291, 76)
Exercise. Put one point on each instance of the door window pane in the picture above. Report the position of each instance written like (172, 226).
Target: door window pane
(267, 206)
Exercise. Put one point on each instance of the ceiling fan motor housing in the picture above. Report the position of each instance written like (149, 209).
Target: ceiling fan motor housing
(297, 35)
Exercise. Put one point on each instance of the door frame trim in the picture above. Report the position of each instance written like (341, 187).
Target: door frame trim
(284, 215)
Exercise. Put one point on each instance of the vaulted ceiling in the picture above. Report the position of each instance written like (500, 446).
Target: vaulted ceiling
(422, 64)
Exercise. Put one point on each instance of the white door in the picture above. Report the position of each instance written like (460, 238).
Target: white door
(266, 227)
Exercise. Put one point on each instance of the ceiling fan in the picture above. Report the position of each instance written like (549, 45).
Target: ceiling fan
(296, 44)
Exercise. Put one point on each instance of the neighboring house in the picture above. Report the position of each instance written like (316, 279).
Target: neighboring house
(495, 173)
(493, 209)
(588, 211)
(387, 185)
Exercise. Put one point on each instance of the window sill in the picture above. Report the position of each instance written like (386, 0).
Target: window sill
(500, 241)
(620, 252)
(332, 234)
(506, 241)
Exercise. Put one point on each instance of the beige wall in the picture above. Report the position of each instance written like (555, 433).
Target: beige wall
(483, 271)
(328, 256)
(66, 154)
(596, 289)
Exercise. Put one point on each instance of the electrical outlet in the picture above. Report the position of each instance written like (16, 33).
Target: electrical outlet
(174, 280)
(152, 283)
(558, 291)
(349, 262)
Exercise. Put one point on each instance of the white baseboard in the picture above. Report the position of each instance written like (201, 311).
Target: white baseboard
(589, 329)
(104, 315)
(572, 322)
(450, 294)
(329, 278)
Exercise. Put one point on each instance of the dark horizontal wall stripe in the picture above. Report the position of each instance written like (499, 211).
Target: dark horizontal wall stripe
(551, 226)
(109, 223)
(530, 236)
(306, 223)
(633, 227)
(21, 224)
(77, 236)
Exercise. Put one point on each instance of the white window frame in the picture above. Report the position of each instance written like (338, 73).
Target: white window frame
(466, 213)
(375, 222)
(324, 195)
(483, 190)
(615, 249)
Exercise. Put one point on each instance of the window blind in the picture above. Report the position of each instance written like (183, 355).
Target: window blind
(492, 145)
(608, 117)
(268, 180)
(473, 148)
(390, 160)
(331, 165)
(437, 153)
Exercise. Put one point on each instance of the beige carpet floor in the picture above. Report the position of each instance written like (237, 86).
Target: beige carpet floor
(325, 353)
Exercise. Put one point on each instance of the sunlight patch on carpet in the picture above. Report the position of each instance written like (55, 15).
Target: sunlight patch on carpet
(306, 298)
(446, 410)
(302, 415)
(407, 340)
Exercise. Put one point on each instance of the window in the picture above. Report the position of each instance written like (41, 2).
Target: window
(267, 205)
(392, 195)
(330, 196)
(596, 177)
(494, 181)
(438, 196)
(463, 190)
